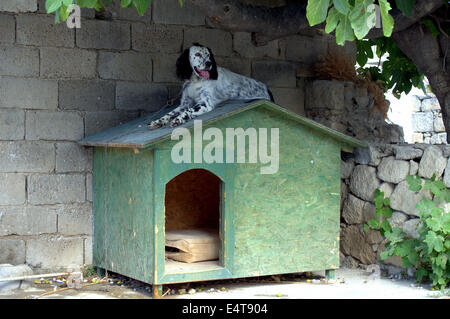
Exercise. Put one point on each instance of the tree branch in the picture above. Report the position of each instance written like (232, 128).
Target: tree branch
(274, 23)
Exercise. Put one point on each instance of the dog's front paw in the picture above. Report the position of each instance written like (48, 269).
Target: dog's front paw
(154, 125)
(176, 122)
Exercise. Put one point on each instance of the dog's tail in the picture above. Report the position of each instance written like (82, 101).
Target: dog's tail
(271, 96)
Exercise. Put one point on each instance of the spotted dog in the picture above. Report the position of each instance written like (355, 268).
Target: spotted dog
(206, 85)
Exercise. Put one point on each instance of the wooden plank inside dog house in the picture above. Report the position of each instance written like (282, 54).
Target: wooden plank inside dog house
(269, 224)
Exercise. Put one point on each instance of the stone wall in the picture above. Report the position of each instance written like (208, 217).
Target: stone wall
(58, 85)
(427, 124)
(384, 168)
(349, 109)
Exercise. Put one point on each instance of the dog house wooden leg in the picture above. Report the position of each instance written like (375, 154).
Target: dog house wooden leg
(329, 274)
(157, 291)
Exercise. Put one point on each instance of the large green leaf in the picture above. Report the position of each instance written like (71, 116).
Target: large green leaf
(386, 18)
(52, 5)
(316, 11)
(342, 6)
(332, 20)
(141, 6)
(91, 4)
(363, 17)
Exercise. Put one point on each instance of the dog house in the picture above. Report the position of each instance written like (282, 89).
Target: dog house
(221, 211)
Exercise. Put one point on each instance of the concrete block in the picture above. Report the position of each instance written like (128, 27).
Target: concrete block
(89, 187)
(164, 68)
(86, 95)
(292, 99)
(101, 34)
(85, 12)
(88, 251)
(12, 251)
(54, 251)
(7, 28)
(117, 12)
(305, 49)
(236, 65)
(220, 42)
(348, 50)
(128, 66)
(99, 121)
(44, 125)
(12, 189)
(68, 63)
(275, 73)
(56, 189)
(140, 96)
(156, 38)
(30, 220)
(75, 220)
(27, 157)
(28, 93)
(72, 157)
(170, 12)
(19, 61)
(41, 30)
(242, 44)
(19, 6)
(12, 124)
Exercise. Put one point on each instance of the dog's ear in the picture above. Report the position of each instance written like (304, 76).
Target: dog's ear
(184, 69)
(213, 74)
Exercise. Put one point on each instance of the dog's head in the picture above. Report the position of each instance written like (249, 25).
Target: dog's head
(197, 61)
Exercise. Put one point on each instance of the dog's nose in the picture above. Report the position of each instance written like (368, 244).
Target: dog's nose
(208, 64)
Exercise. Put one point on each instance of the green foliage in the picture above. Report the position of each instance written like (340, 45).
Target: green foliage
(430, 253)
(398, 72)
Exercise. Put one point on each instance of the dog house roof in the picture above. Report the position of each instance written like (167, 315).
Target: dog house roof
(136, 134)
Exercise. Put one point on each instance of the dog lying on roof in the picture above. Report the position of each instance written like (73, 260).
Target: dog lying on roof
(206, 85)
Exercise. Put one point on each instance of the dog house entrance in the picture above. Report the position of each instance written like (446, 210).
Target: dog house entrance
(192, 222)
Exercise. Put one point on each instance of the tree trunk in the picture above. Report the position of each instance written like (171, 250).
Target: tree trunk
(429, 54)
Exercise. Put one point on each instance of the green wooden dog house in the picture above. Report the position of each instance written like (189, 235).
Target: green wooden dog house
(283, 222)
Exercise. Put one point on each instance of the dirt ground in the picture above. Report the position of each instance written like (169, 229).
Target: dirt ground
(349, 284)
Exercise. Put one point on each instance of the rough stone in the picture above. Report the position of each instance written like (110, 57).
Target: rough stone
(12, 251)
(56, 189)
(41, 252)
(129, 66)
(413, 167)
(41, 94)
(353, 243)
(397, 219)
(12, 189)
(407, 152)
(347, 168)
(290, 98)
(439, 124)
(98, 34)
(432, 162)
(63, 63)
(446, 179)
(364, 182)
(157, 38)
(416, 104)
(27, 157)
(422, 122)
(275, 73)
(305, 49)
(19, 61)
(410, 227)
(44, 125)
(322, 94)
(373, 236)
(347, 261)
(12, 124)
(368, 156)
(430, 104)
(405, 200)
(352, 210)
(393, 171)
(39, 30)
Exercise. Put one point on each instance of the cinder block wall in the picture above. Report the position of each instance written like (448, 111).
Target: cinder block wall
(58, 85)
